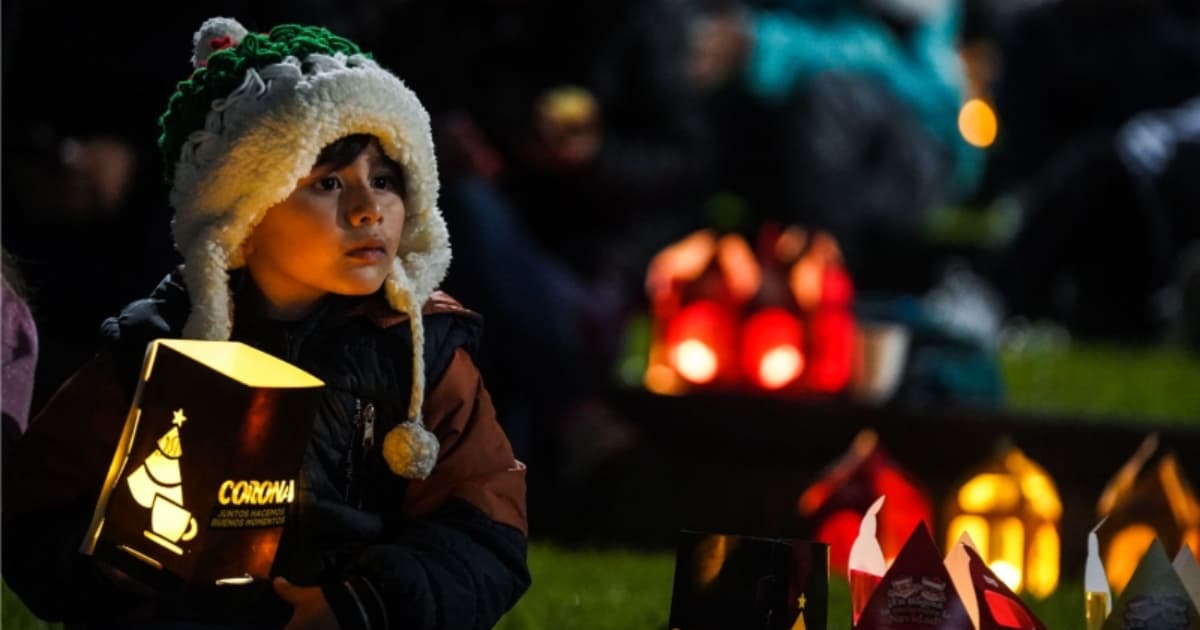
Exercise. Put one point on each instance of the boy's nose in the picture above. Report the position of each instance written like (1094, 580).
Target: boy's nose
(363, 209)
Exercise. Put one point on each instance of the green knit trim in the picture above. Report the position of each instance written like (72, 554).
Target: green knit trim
(225, 71)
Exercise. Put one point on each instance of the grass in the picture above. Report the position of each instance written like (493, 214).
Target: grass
(1110, 383)
(631, 590)
(602, 590)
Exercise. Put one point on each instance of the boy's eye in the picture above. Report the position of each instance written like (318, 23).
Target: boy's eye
(384, 182)
(328, 183)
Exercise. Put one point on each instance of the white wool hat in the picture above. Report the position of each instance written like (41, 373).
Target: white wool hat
(247, 125)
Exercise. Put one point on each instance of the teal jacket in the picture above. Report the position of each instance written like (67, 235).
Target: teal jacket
(809, 37)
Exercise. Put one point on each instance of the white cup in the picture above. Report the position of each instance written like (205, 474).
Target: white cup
(882, 354)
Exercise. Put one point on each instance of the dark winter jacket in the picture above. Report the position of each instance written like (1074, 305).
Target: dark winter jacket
(444, 552)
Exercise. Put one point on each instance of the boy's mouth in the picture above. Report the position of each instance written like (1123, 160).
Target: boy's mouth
(369, 250)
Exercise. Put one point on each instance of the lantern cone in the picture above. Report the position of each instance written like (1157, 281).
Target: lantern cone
(916, 593)
(990, 603)
(1155, 597)
(1189, 572)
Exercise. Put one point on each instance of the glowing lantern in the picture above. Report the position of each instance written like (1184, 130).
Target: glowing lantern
(772, 348)
(700, 341)
(977, 123)
(1010, 508)
(837, 501)
(1149, 497)
(776, 319)
(831, 350)
(696, 288)
(205, 468)
(725, 581)
(819, 283)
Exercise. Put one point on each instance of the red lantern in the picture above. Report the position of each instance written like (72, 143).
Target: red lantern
(772, 348)
(836, 502)
(831, 350)
(836, 288)
(791, 297)
(701, 342)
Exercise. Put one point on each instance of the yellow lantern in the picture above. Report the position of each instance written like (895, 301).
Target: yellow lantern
(1149, 497)
(204, 474)
(1011, 509)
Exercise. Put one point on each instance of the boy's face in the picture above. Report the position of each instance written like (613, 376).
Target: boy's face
(337, 232)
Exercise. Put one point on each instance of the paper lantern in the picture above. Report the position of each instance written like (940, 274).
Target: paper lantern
(837, 501)
(772, 320)
(772, 348)
(204, 474)
(831, 351)
(1148, 498)
(701, 342)
(697, 288)
(1010, 507)
(990, 604)
(916, 592)
(1155, 597)
(725, 581)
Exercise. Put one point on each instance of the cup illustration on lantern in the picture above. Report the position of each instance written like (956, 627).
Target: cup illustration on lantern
(157, 485)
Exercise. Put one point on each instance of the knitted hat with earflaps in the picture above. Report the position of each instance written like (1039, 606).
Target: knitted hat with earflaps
(248, 125)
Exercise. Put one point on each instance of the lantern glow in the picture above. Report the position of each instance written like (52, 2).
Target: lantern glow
(771, 348)
(837, 501)
(1010, 508)
(832, 350)
(742, 273)
(805, 281)
(775, 318)
(780, 366)
(683, 261)
(695, 360)
(987, 491)
(700, 339)
(1148, 498)
(977, 123)
(204, 465)
(1010, 575)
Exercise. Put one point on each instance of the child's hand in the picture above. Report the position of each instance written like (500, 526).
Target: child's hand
(310, 611)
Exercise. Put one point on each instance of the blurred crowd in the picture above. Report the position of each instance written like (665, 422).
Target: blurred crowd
(577, 139)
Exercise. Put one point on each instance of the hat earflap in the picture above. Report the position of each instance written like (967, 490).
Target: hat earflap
(206, 276)
(409, 449)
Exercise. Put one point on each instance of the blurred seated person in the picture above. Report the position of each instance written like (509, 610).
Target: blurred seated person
(18, 354)
(1099, 145)
(859, 102)
(1111, 244)
(571, 149)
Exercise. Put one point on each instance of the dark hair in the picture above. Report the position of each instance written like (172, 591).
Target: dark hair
(344, 150)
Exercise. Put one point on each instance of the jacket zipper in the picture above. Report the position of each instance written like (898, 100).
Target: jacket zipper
(360, 446)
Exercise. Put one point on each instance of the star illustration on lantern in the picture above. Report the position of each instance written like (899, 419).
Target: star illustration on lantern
(800, 624)
(178, 419)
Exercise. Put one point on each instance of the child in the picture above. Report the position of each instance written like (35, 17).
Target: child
(304, 188)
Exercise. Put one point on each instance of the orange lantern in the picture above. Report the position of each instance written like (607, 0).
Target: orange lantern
(1010, 507)
(1149, 497)
(836, 502)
